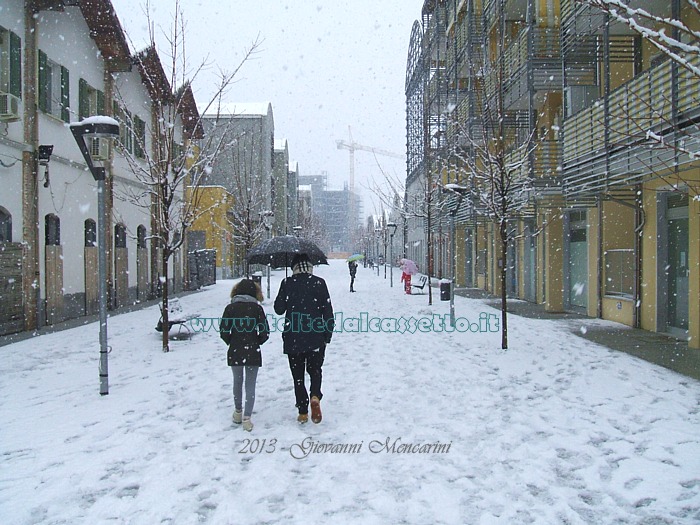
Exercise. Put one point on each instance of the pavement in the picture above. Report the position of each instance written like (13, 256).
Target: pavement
(654, 347)
(80, 321)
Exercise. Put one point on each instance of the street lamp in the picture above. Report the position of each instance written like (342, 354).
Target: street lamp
(377, 231)
(297, 230)
(95, 129)
(392, 230)
(268, 218)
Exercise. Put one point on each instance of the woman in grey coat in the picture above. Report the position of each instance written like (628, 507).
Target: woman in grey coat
(244, 329)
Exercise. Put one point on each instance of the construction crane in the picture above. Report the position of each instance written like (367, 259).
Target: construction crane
(352, 146)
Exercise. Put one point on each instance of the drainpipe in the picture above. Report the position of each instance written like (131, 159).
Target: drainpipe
(640, 220)
(599, 291)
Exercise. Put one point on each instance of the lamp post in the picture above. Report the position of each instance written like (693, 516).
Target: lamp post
(377, 232)
(268, 218)
(384, 232)
(460, 192)
(392, 230)
(99, 128)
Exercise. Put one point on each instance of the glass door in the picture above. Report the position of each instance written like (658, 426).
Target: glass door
(678, 270)
(578, 260)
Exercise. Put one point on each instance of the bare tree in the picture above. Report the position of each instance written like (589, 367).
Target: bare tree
(312, 228)
(246, 215)
(175, 160)
(669, 34)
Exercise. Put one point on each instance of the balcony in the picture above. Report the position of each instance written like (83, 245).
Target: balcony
(543, 58)
(642, 106)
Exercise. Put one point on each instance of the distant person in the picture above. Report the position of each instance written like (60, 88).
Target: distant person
(308, 328)
(244, 329)
(352, 266)
(405, 278)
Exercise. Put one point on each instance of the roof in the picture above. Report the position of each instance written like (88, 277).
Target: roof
(280, 144)
(188, 110)
(153, 74)
(104, 26)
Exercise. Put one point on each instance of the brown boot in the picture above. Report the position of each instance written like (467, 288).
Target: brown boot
(303, 418)
(316, 415)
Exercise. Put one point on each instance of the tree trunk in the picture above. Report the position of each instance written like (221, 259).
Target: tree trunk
(164, 306)
(504, 267)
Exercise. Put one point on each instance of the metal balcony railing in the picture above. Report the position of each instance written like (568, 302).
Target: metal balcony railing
(638, 108)
(544, 58)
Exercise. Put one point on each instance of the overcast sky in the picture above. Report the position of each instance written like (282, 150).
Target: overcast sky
(324, 66)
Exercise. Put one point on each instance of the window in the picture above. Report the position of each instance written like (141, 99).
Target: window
(90, 233)
(91, 101)
(619, 273)
(52, 230)
(178, 155)
(120, 236)
(139, 138)
(10, 63)
(141, 236)
(5, 226)
(54, 88)
(126, 131)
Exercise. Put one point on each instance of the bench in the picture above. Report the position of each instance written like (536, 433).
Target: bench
(176, 316)
(419, 281)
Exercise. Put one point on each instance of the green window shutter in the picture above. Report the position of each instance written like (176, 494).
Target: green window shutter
(129, 132)
(83, 100)
(65, 94)
(43, 94)
(139, 137)
(117, 114)
(100, 103)
(15, 65)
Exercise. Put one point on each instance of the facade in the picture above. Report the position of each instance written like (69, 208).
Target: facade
(281, 179)
(293, 198)
(61, 63)
(632, 207)
(245, 168)
(211, 230)
(598, 124)
(331, 209)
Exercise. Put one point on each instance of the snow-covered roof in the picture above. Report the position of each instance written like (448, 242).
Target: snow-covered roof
(293, 166)
(239, 108)
(280, 143)
(304, 187)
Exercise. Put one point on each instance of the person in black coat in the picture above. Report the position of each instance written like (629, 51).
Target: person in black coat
(308, 328)
(244, 329)
(352, 266)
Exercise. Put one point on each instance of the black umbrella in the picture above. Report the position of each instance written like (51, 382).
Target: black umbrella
(280, 251)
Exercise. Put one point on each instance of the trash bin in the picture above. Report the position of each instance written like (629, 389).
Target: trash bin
(445, 290)
(257, 277)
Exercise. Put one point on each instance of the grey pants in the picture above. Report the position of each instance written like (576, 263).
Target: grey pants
(251, 375)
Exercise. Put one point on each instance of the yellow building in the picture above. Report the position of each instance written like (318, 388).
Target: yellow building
(212, 229)
(633, 216)
(605, 129)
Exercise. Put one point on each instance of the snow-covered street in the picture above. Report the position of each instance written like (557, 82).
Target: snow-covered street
(419, 428)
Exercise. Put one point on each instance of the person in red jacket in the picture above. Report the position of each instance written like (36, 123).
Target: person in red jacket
(406, 280)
